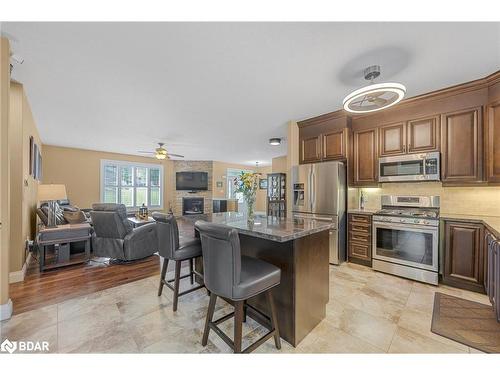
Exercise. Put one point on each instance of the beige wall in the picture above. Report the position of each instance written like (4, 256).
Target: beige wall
(80, 171)
(23, 186)
(454, 200)
(280, 164)
(292, 159)
(4, 170)
(261, 201)
(219, 174)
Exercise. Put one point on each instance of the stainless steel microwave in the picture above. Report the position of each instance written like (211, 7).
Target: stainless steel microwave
(411, 167)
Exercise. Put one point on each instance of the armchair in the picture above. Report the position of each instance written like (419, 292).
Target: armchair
(114, 236)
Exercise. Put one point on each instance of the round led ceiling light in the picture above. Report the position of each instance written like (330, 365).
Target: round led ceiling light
(374, 97)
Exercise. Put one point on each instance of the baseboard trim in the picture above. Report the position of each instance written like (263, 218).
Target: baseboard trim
(6, 310)
(18, 276)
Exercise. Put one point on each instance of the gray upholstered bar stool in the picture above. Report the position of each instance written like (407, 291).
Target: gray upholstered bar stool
(170, 249)
(235, 278)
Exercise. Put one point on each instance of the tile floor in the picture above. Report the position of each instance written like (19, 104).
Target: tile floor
(368, 312)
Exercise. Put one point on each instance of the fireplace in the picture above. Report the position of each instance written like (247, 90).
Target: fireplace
(193, 206)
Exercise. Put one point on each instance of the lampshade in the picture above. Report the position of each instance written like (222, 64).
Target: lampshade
(51, 192)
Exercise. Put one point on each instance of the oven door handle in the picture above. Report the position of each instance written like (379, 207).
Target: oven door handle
(412, 227)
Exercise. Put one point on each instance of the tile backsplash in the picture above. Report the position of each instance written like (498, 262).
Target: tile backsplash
(454, 200)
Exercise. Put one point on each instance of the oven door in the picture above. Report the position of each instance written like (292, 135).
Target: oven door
(411, 245)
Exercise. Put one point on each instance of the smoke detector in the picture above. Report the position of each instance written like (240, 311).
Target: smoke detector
(376, 96)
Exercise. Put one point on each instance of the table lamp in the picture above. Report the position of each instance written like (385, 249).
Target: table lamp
(51, 193)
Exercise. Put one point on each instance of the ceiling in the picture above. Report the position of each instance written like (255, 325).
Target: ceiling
(218, 91)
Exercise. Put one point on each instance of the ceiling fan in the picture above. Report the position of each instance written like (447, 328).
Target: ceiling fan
(161, 153)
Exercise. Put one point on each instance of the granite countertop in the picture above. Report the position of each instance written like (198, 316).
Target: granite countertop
(268, 227)
(491, 222)
(361, 211)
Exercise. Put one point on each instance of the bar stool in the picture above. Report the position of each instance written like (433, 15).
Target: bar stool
(235, 278)
(170, 249)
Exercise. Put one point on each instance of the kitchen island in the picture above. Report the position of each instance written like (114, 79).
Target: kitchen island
(300, 248)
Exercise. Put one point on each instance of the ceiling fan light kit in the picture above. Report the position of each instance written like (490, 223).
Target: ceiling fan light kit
(374, 97)
(161, 153)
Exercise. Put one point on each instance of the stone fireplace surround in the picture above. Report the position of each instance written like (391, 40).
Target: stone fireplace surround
(207, 195)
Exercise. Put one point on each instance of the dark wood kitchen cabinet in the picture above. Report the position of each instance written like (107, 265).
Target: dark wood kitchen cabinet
(492, 135)
(392, 139)
(335, 144)
(324, 138)
(423, 135)
(310, 149)
(464, 255)
(359, 248)
(461, 146)
(409, 137)
(365, 161)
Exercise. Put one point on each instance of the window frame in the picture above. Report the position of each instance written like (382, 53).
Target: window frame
(134, 165)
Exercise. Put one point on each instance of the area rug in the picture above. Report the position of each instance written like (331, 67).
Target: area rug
(469, 323)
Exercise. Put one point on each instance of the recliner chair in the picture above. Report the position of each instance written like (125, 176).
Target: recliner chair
(114, 237)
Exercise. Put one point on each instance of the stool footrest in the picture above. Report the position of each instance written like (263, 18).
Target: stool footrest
(260, 318)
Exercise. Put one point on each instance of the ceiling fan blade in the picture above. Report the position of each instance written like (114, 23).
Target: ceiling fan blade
(146, 152)
(379, 101)
(176, 155)
(377, 94)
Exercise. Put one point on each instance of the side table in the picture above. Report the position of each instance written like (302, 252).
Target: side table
(62, 236)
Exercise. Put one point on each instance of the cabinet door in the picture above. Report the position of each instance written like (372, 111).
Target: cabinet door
(334, 145)
(423, 135)
(365, 158)
(464, 256)
(461, 146)
(310, 149)
(493, 142)
(392, 139)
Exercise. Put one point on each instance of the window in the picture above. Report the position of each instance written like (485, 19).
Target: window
(132, 184)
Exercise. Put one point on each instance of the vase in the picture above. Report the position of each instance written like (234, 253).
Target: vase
(250, 200)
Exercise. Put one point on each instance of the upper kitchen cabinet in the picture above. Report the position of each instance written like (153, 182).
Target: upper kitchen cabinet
(335, 144)
(409, 137)
(310, 149)
(323, 138)
(365, 158)
(392, 139)
(461, 146)
(423, 135)
(492, 135)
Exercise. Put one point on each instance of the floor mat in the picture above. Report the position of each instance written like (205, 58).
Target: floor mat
(467, 322)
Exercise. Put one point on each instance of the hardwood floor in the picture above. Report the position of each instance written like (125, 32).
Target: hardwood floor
(60, 284)
(50, 287)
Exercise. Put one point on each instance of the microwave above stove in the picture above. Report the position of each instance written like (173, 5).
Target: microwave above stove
(412, 167)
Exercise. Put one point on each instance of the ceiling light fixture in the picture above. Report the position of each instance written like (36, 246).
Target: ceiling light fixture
(374, 97)
(274, 141)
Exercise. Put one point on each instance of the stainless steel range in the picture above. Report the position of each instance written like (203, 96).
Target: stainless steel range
(406, 237)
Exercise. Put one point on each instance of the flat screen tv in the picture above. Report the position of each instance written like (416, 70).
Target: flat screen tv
(191, 181)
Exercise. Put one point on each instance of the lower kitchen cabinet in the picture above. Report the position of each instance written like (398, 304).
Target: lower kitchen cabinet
(359, 239)
(464, 256)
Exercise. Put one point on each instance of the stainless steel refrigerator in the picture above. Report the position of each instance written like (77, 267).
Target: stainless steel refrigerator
(320, 192)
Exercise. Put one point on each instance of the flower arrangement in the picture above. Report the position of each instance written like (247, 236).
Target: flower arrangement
(247, 183)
